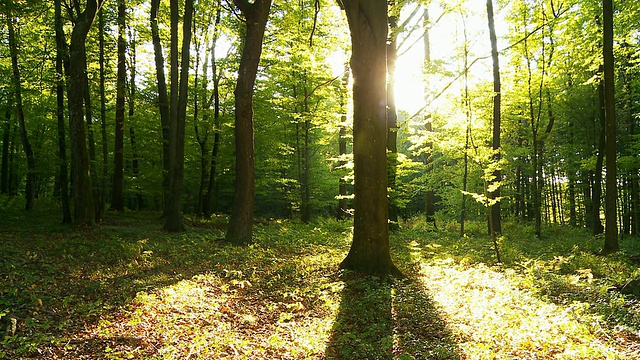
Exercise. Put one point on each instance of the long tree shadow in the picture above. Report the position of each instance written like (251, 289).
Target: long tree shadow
(388, 318)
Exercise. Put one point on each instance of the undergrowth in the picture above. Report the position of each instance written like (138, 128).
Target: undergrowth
(128, 290)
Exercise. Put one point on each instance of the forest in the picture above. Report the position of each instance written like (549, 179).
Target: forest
(320, 179)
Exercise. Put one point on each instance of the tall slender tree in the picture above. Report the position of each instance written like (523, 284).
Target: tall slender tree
(611, 195)
(61, 57)
(163, 100)
(495, 222)
(178, 112)
(369, 250)
(117, 199)
(256, 13)
(30, 187)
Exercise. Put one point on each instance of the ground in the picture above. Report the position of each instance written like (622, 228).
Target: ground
(126, 289)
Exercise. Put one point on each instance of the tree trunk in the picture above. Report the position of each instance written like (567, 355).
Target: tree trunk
(163, 101)
(342, 148)
(6, 138)
(103, 114)
(84, 209)
(430, 208)
(369, 250)
(611, 226)
(178, 114)
(135, 157)
(209, 197)
(240, 230)
(596, 198)
(392, 117)
(30, 190)
(497, 175)
(117, 199)
(61, 57)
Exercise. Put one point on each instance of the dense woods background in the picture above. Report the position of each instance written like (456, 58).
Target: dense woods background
(98, 124)
(486, 154)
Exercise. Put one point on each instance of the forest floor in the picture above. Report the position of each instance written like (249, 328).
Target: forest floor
(127, 290)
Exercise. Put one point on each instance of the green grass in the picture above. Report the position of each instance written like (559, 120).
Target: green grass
(128, 290)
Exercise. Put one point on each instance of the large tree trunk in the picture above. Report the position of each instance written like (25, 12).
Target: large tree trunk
(117, 199)
(178, 113)
(497, 175)
(30, 190)
(61, 55)
(369, 251)
(84, 210)
(611, 226)
(163, 101)
(241, 222)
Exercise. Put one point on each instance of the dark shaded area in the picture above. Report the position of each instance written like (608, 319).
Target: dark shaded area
(383, 318)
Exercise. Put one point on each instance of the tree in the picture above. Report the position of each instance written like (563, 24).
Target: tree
(84, 209)
(117, 200)
(494, 221)
(240, 230)
(611, 195)
(30, 190)
(369, 250)
(61, 57)
(177, 113)
(163, 100)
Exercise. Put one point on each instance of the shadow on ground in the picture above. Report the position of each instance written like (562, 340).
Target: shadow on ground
(388, 318)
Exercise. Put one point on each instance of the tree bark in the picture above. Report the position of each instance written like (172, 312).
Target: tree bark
(342, 148)
(497, 175)
(611, 226)
(178, 113)
(117, 199)
(84, 209)
(103, 113)
(369, 252)
(135, 157)
(163, 101)
(240, 230)
(6, 138)
(392, 118)
(61, 57)
(30, 189)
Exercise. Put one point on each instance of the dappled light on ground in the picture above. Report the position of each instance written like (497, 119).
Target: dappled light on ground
(128, 290)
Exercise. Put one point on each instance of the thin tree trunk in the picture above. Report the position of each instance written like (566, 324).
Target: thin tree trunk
(61, 55)
(240, 230)
(178, 113)
(163, 101)
(392, 117)
(497, 174)
(430, 208)
(103, 114)
(209, 197)
(30, 190)
(596, 197)
(117, 200)
(611, 227)
(135, 157)
(6, 138)
(342, 148)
